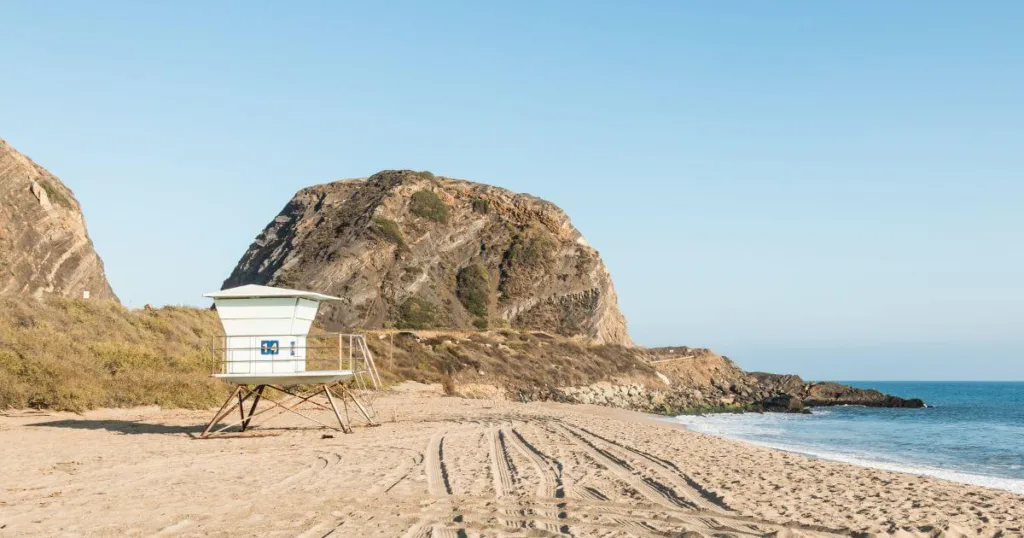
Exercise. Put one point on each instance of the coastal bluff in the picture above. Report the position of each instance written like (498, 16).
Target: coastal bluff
(491, 293)
(44, 245)
(497, 295)
(411, 250)
(530, 366)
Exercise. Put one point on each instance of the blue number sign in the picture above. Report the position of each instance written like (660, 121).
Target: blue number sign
(269, 347)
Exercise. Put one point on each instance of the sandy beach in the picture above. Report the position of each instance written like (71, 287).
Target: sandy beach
(440, 466)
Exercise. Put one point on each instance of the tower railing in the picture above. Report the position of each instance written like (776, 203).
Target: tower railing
(294, 353)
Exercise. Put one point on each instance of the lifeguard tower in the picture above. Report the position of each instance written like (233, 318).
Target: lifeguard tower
(267, 344)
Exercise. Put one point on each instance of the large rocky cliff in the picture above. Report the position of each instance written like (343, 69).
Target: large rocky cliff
(410, 250)
(44, 246)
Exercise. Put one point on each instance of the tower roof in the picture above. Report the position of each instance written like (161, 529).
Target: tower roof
(249, 291)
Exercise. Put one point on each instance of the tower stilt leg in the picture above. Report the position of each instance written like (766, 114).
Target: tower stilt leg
(222, 411)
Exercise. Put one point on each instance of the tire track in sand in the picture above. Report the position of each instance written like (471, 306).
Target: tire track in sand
(437, 474)
(398, 474)
(502, 469)
(706, 513)
(418, 530)
(681, 482)
(549, 470)
(651, 489)
(527, 513)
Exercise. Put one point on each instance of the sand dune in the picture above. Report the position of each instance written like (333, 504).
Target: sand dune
(452, 467)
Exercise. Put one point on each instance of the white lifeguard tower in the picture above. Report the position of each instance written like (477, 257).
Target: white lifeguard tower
(267, 344)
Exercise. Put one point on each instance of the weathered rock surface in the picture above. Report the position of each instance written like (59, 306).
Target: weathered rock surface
(410, 250)
(443, 257)
(698, 380)
(44, 245)
(822, 394)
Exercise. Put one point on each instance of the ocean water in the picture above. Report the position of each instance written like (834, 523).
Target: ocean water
(973, 432)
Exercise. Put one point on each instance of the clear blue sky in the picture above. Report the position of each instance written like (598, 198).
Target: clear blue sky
(834, 189)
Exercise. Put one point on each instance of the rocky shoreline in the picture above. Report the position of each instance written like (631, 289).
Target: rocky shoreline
(668, 402)
(538, 367)
(700, 381)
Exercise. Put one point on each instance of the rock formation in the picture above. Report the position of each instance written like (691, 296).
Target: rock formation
(44, 246)
(535, 366)
(410, 250)
(698, 380)
(440, 258)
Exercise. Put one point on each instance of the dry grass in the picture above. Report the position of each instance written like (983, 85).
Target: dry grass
(73, 355)
(530, 363)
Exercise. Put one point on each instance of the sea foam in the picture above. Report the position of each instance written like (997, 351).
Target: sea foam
(770, 429)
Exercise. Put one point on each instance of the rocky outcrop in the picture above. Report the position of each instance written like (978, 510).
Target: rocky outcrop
(533, 366)
(824, 394)
(698, 380)
(44, 246)
(440, 258)
(409, 250)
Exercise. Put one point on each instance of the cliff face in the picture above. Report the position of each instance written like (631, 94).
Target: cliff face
(414, 251)
(44, 246)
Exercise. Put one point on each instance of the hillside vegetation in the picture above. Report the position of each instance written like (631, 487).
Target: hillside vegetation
(414, 251)
(519, 365)
(74, 354)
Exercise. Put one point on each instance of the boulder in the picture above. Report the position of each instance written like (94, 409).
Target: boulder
(784, 403)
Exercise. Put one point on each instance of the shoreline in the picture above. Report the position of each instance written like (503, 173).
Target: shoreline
(443, 466)
(781, 435)
(995, 483)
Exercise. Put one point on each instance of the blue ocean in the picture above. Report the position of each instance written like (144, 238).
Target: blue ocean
(972, 432)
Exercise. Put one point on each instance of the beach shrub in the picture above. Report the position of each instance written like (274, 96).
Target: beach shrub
(75, 355)
(448, 385)
(417, 313)
(472, 287)
(428, 204)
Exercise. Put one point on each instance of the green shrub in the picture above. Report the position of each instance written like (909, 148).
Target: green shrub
(389, 230)
(481, 205)
(472, 287)
(480, 323)
(425, 174)
(74, 355)
(55, 195)
(428, 204)
(530, 255)
(417, 313)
